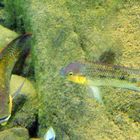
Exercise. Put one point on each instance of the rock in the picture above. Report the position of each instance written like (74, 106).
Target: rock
(68, 31)
(6, 36)
(24, 103)
(27, 89)
(14, 134)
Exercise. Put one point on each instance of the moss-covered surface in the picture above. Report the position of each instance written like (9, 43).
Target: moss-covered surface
(64, 31)
(14, 134)
(6, 36)
(2, 18)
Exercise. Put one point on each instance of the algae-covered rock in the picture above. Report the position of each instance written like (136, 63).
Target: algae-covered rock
(18, 133)
(65, 31)
(6, 36)
(24, 103)
(2, 18)
(27, 89)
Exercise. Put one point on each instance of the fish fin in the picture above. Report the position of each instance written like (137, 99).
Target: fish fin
(50, 134)
(18, 90)
(95, 93)
(10, 103)
(4, 122)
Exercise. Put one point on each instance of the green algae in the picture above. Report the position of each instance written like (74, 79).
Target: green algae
(2, 17)
(14, 134)
(6, 36)
(65, 31)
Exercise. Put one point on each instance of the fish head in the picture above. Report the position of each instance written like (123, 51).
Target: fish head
(74, 68)
(74, 72)
(5, 110)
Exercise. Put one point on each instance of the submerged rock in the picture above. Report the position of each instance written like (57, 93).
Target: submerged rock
(68, 31)
(14, 134)
(27, 89)
(24, 104)
(6, 36)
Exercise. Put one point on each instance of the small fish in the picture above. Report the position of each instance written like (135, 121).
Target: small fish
(50, 134)
(8, 57)
(101, 75)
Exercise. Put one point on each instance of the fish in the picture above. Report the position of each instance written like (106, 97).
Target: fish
(50, 134)
(8, 57)
(93, 75)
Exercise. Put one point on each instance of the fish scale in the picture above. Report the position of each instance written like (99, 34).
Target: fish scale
(111, 72)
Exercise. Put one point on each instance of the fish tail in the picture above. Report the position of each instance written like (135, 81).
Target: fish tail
(18, 90)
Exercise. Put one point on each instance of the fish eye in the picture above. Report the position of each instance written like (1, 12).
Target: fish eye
(70, 73)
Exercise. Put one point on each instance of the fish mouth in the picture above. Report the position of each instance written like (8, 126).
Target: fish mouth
(4, 119)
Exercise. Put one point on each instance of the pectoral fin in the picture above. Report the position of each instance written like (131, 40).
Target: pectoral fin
(50, 135)
(95, 93)
(18, 90)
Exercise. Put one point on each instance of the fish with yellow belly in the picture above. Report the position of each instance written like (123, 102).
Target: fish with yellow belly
(96, 75)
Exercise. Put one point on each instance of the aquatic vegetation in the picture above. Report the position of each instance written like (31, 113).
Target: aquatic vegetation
(65, 31)
(14, 134)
